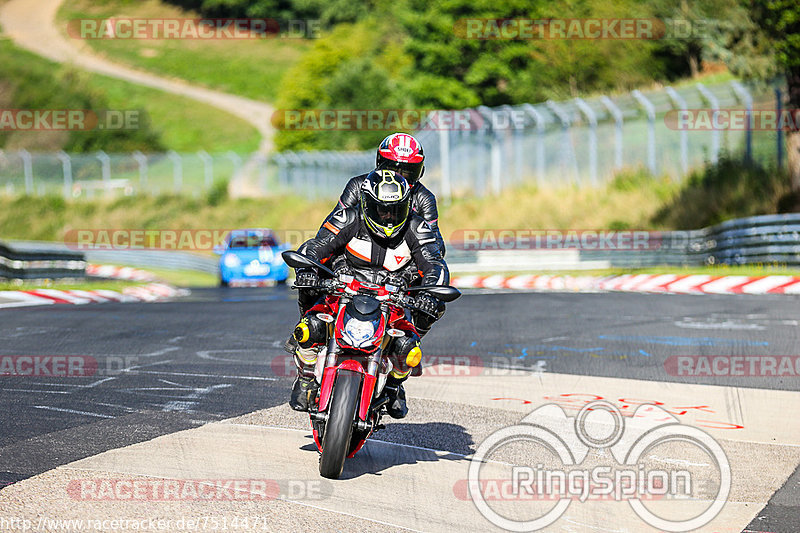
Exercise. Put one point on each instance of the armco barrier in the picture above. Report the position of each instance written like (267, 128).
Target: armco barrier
(171, 260)
(40, 264)
(765, 239)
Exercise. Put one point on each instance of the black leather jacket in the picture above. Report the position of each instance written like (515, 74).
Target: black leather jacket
(413, 252)
(423, 203)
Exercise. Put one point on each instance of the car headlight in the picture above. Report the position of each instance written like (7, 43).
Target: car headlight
(232, 261)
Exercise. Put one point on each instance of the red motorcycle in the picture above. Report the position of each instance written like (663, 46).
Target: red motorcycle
(352, 368)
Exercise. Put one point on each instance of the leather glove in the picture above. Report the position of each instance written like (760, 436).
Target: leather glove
(339, 266)
(427, 304)
(306, 278)
(398, 281)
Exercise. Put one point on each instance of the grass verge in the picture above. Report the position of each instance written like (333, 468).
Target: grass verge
(50, 218)
(184, 278)
(28, 81)
(716, 270)
(249, 68)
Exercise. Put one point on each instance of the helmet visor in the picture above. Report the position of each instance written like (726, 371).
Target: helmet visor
(386, 216)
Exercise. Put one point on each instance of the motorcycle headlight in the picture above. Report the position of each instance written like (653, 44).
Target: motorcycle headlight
(359, 331)
(232, 261)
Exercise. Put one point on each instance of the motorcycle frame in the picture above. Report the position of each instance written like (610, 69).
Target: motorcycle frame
(368, 415)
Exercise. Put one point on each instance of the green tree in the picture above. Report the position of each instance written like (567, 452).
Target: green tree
(765, 43)
(689, 24)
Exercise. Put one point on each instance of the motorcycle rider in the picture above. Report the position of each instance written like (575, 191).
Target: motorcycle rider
(377, 242)
(402, 153)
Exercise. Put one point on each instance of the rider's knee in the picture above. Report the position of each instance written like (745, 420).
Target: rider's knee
(405, 354)
(310, 334)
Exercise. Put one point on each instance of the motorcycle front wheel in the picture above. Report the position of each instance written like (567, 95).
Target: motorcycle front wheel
(339, 426)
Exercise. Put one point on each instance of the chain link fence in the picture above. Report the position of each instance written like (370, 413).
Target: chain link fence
(577, 142)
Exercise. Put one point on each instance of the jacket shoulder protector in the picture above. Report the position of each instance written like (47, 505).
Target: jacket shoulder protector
(340, 219)
(421, 229)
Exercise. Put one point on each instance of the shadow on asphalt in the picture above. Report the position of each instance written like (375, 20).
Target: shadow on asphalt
(407, 444)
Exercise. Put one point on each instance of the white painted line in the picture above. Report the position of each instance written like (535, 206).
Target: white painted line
(257, 378)
(85, 413)
(96, 383)
(37, 391)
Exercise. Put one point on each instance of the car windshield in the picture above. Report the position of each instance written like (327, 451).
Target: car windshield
(252, 239)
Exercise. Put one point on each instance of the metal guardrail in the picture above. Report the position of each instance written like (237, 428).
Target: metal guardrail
(18, 263)
(752, 240)
(765, 239)
(171, 260)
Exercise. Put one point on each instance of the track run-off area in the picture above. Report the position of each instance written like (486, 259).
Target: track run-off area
(176, 416)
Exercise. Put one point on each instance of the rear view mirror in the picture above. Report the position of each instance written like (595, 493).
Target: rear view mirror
(443, 292)
(297, 260)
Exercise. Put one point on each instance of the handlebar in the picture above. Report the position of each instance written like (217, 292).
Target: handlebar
(336, 287)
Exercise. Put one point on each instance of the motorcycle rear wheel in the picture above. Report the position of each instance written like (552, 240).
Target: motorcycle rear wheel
(339, 426)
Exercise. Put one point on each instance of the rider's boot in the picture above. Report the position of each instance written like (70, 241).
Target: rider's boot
(291, 345)
(303, 389)
(305, 384)
(396, 407)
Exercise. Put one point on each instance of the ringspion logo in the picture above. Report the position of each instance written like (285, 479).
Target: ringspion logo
(650, 456)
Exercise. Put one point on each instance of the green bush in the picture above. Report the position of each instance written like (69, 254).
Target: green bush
(218, 193)
(726, 190)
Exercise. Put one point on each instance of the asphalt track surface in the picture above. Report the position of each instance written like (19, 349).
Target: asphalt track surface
(217, 354)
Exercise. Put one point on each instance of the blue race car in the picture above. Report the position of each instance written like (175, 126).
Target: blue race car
(251, 257)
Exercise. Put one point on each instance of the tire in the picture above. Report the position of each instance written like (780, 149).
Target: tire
(223, 283)
(339, 426)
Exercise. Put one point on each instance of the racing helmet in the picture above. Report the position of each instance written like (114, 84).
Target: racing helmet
(402, 153)
(385, 202)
